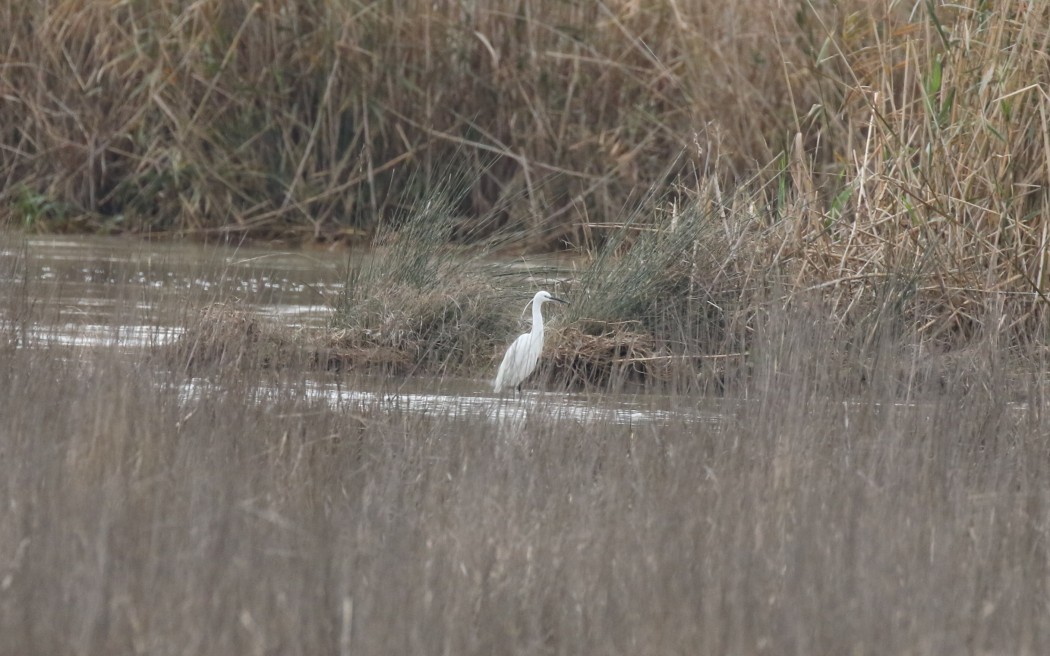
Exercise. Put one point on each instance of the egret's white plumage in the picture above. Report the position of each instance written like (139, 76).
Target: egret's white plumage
(524, 354)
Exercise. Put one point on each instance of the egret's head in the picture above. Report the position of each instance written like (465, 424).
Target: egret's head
(543, 297)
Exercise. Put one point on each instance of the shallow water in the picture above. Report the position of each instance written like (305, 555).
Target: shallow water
(132, 293)
(103, 294)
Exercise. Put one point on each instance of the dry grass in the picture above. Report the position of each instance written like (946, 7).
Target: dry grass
(418, 303)
(814, 517)
(316, 120)
(224, 336)
(607, 360)
(672, 306)
(937, 180)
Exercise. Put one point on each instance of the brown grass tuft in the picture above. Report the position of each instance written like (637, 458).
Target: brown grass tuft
(223, 336)
(611, 359)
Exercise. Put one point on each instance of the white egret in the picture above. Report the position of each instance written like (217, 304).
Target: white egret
(524, 354)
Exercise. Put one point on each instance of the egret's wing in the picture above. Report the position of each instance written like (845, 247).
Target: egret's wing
(514, 367)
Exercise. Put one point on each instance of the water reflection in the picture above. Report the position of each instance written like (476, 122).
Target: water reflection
(87, 335)
(91, 283)
(453, 399)
(560, 407)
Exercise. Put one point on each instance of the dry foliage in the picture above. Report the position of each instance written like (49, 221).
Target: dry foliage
(607, 360)
(316, 119)
(224, 336)
(147, 510)
(846, 148)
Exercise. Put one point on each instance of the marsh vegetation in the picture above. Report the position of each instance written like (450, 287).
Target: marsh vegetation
(844, 147)
(814, 236)
(153, 509)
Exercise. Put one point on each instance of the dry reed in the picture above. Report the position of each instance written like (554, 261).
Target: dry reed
(149, 511)
(847, 148)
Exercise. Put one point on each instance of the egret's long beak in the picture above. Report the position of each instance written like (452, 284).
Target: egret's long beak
(559, 300)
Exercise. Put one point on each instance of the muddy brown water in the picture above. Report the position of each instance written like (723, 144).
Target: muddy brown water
(98, 295)
(127, 293)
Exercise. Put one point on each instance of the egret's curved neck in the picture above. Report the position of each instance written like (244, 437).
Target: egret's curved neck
(537, 318)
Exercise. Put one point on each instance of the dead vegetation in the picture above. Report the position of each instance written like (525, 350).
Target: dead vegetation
(673, 306)
(853, 131)
(610, 359)
(225, 337)
(155, 510)
(884, 159)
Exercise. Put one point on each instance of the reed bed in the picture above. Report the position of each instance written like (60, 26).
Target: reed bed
(673, 307)
(154, 510)
(419, 300)
(843, 148)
